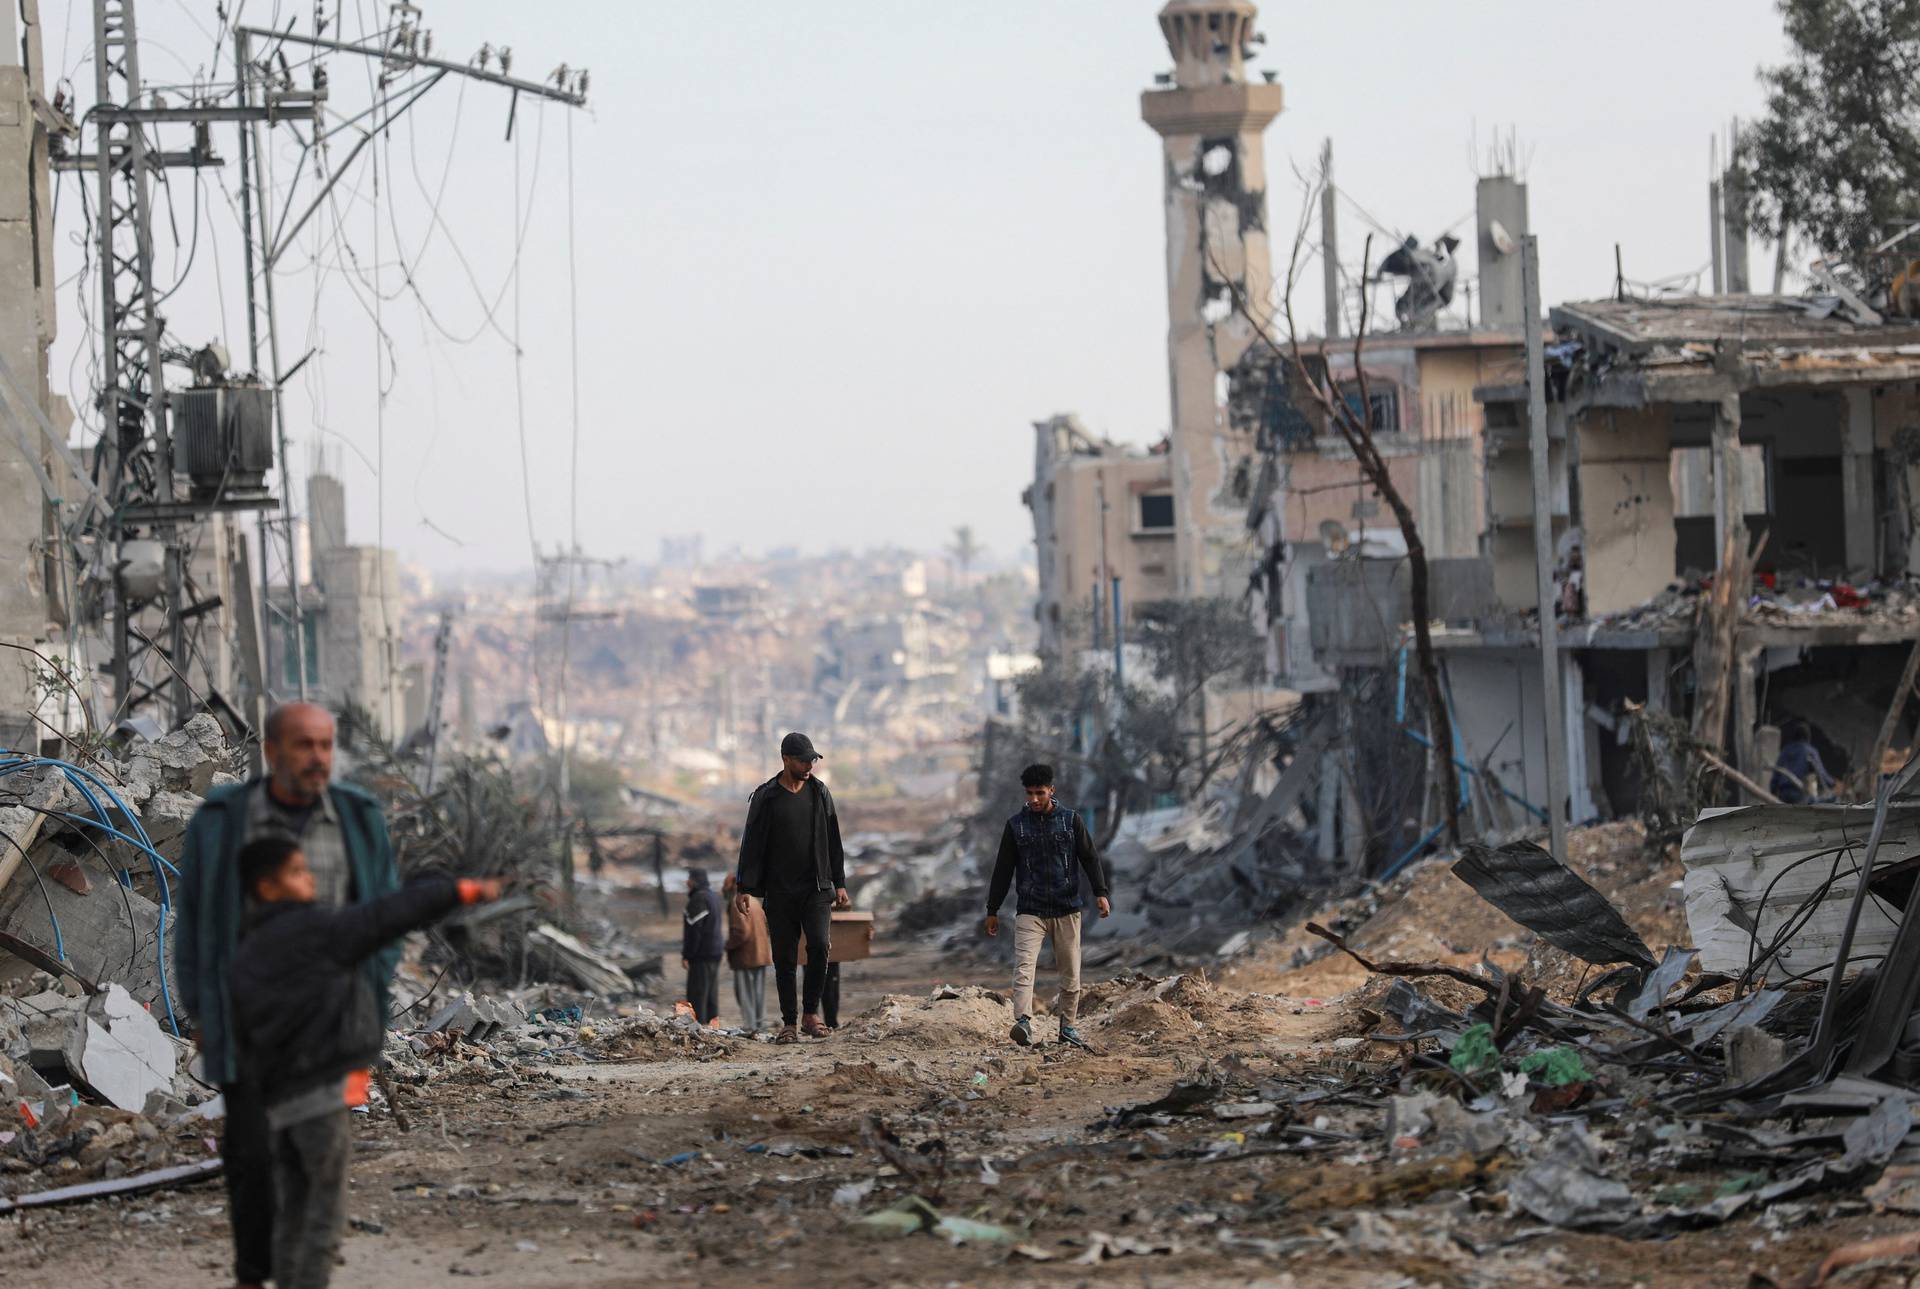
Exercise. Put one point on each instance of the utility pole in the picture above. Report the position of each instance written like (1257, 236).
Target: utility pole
(404, 50)
(250, 142)
(137, 450)
(553, 572)
(1553, 701)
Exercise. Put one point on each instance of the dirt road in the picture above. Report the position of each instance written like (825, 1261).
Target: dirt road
(754, 1165)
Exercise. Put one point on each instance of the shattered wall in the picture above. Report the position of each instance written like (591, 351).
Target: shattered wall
(360, 632)
(1626, 506)
(26, 329)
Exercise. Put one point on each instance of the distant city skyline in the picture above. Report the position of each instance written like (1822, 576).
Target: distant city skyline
(835, 260)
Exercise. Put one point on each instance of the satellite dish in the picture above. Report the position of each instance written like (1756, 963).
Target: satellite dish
(1502, 240)
(1333, 534)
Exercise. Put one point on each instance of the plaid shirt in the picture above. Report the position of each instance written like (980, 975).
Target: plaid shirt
(325, 845)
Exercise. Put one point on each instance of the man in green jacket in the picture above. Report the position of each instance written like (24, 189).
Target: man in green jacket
(344, 836)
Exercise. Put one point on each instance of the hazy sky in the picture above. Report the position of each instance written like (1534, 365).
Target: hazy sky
(834, 258)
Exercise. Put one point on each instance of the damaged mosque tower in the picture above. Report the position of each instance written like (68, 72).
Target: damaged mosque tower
(1212, 122)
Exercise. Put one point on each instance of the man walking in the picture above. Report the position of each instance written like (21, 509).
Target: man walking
(791, 859)
(701, 941)
(749, 954)
(344, 837)
(1043, 851)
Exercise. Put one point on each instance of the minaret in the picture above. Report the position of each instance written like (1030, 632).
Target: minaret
(1211, 122)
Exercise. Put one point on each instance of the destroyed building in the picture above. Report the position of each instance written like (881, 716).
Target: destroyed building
(1683, 428)
(1673, 424)
(1103, 522)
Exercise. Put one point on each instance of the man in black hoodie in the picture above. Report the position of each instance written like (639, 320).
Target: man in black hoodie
(309, 1031)
(703, 940)
(791, 858)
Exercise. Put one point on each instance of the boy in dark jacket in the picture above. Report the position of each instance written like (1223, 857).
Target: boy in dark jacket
(309, 1031)
(1044, 851)
(703, 940)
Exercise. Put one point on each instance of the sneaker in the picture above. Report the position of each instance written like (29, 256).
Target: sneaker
(1022, 1032)
(1068, 1034)
(788, 1034)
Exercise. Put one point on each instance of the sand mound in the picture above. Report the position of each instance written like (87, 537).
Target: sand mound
(860, 1078)
(949, 1017)
(1144, 1005)
(1151, 1020)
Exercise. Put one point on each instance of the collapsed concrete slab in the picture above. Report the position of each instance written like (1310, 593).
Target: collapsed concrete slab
(475, 1019)
(588, 969)
(106, 933)
(21, 824)
(117, 1051)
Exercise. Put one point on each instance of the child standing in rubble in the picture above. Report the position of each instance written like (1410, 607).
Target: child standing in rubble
(310, 1030)
(1044, 849)
(703, 942)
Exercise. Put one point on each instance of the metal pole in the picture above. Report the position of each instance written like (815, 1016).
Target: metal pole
(263, 203)
(269, 664)
(1553, 702)
(1119, 643)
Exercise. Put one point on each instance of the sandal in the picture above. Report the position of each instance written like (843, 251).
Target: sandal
(813, 1027)
(787, 1034)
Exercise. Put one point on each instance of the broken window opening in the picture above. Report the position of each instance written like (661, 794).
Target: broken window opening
(1156, 511)
(1383, 398)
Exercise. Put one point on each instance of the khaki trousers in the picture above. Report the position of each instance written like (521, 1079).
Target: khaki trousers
(1028, 932)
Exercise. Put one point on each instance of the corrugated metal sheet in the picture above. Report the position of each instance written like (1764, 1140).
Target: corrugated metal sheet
(1751, 869)
(1542, 894)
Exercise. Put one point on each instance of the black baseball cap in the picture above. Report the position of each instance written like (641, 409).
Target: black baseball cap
(799, 745)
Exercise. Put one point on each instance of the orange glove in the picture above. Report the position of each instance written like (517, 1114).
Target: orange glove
(479, 890)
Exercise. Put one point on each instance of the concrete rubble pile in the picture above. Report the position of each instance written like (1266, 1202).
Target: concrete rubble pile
(97, 1096)
(104, 895)
(93, 1090)
(1785, 601)
(512, 1039)
(1668, 1091)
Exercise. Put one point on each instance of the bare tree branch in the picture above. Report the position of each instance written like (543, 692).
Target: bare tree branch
(1355, 428)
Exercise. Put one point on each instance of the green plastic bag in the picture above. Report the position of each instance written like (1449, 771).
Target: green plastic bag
(1475, 1053)
(1556, 1066)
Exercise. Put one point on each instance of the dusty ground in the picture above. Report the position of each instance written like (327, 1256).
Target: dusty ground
(582, 1175)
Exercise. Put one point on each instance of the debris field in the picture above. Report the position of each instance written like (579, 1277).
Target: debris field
(1407, 1087)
